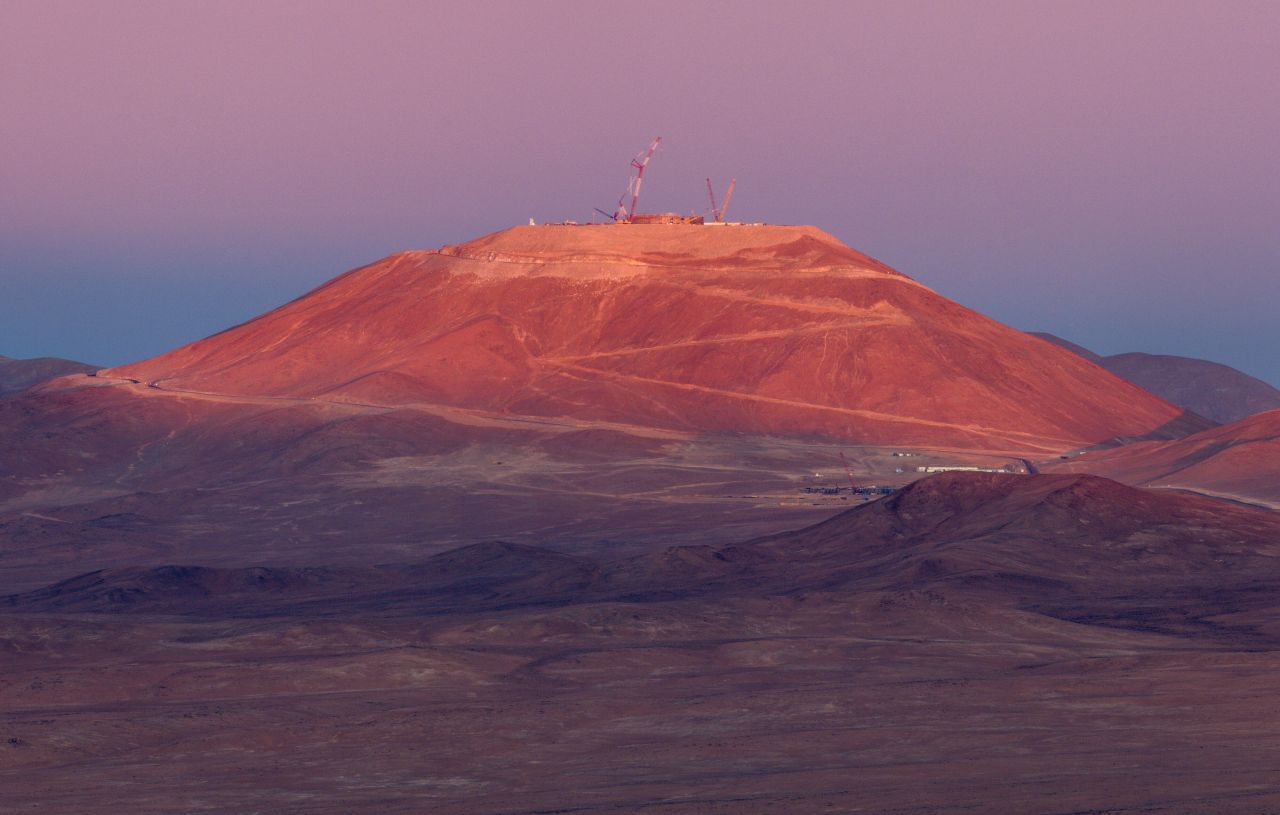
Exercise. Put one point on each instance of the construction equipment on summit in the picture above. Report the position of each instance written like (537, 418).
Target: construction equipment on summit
(624, 213)
(724, 205)
(717, 212)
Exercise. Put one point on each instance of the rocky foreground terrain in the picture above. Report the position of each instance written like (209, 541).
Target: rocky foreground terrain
(976, 642)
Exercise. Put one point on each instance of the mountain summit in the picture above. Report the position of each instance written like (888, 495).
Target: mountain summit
(743, 328)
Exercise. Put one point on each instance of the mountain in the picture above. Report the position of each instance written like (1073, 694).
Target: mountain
(761, 329)
(1238, 461)
(1210, 389)
(17, 375)
(601, 387)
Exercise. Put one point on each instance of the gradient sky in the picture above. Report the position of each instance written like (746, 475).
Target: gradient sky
(1105, 171)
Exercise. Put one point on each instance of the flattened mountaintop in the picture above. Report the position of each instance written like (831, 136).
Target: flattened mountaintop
(656, 248)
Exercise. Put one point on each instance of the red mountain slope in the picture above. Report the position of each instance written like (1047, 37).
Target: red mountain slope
(780, 330)
(1240, 460)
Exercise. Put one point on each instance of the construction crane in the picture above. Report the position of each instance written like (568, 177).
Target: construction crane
(624, 213)
(724, 205)
(728, 193)
(717, 212)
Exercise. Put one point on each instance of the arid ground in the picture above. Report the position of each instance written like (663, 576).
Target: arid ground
(976, 643)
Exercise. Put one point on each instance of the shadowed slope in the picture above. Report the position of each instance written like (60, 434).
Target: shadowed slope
(1079, 547)
(974, 643)
(1213, 390)
(480, 575)
(1210, 389)
(16, 375)
(1072, 546)
(1076, 547)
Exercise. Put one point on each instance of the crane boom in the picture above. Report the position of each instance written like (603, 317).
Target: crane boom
(638, 164)
(724, 205)
(715, 211)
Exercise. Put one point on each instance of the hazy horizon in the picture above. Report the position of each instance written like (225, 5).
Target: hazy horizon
(1103, 172)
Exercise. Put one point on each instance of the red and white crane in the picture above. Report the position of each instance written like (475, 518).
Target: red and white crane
(724, 205)
(717, 212)
(624, 212)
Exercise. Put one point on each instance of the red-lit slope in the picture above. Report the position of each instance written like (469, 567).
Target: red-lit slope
(1240, 460)
(738, 328)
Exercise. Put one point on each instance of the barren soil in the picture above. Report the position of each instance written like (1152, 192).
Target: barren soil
(908, 657)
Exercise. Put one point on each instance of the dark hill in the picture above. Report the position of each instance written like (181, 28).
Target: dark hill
(1210, 389)
(17, 375)
(479, 575)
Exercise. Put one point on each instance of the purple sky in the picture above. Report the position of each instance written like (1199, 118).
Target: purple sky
(1105, 171)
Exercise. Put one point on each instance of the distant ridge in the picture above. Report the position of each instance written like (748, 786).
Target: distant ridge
(17, 375)
(1210, 389)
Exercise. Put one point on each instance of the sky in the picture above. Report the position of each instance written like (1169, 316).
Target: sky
(1104, 171)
